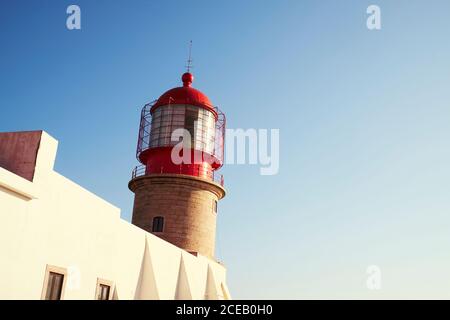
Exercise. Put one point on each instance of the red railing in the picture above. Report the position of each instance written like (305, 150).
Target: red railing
(141, 171)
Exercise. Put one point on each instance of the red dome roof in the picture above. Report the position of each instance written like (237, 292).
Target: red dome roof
(184, 95)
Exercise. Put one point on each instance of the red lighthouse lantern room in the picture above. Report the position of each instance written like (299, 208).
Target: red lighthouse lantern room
(183, 119)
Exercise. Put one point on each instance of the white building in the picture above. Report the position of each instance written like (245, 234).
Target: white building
(58, 240)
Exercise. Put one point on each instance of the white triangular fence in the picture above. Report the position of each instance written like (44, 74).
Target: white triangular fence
(169, 273)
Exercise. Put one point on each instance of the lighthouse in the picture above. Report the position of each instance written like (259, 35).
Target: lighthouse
(177, 187)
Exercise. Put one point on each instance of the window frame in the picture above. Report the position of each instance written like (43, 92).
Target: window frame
(104, 282)
(54, 269)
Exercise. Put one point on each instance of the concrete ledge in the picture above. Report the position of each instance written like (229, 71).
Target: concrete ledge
(207, 184)
(17, 184)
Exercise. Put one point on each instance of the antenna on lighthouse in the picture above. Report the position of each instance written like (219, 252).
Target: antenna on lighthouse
(189, 61)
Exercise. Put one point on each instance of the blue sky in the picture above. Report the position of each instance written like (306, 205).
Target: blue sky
(363, 116)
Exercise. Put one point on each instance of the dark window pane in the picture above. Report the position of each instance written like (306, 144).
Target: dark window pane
(158, 224)
(54, 286)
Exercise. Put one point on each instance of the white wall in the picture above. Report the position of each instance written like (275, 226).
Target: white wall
(53, 221)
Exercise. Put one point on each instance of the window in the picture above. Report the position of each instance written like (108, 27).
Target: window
(215, 206)
(103, 292)
(54, 286)
(104, 289)
(199, 122)
(54, 282)
(158, 224)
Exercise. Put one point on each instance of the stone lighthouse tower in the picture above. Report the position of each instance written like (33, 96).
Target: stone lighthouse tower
(180, 147)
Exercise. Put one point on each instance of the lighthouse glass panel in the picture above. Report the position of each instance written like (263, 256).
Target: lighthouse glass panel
(199, 122)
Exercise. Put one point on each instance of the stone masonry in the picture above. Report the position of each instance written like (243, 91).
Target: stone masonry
(187, 204)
